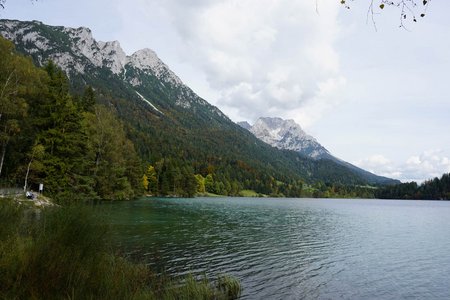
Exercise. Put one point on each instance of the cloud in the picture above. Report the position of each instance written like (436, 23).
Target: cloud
(427, 165)
(264, 57)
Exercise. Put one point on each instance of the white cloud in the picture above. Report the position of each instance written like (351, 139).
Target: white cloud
(264, 57)
(429, 164)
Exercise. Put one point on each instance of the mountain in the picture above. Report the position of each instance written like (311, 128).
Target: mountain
(166, 119)
(244, 124)
(288, 135)
(86, 60)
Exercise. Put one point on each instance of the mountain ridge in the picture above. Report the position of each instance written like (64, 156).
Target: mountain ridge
(164, 117)
(79, 54)
(288, 135)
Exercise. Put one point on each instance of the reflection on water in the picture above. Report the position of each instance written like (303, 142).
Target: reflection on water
(296, 248)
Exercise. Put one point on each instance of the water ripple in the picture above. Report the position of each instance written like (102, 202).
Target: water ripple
(296, 248)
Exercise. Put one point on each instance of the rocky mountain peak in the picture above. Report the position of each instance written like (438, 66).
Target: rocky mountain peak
(113, 56)
(81, 56)
(147, 60)
(288, 135)
(245, 125)
(80, 49)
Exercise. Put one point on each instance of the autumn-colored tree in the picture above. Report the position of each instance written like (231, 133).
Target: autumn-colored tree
(152, 180)
(200, 183)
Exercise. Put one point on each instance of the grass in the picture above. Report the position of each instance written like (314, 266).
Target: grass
(65, 253)
(207, 194)
(250, 193)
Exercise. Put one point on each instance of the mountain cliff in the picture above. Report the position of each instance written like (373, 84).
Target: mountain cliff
(288, 135)
(86, 60)
(164, 117)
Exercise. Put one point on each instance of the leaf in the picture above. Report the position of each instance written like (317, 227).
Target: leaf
(382, 5)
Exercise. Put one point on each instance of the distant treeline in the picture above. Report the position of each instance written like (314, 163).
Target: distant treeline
(434, 189)
(173, 177)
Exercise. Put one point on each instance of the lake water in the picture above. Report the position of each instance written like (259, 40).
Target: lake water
(296, 248)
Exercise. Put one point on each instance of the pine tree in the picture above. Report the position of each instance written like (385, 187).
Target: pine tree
(87, 102)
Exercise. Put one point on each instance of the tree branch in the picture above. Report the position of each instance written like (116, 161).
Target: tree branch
(409, 9)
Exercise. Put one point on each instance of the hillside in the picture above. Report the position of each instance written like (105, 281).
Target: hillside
(288, 135)
(167, 122)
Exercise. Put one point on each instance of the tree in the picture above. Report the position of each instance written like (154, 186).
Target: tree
(209, 183)
(152, 180)
(3, 2)
(113, 162)
(200, 183)
(88, 99)
(409, 9)
(37, 152)
(18, 79)
(145, 182)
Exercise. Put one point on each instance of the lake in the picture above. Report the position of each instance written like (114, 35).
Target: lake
(295, 248)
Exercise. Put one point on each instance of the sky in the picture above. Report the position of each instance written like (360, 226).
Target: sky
(373, 93)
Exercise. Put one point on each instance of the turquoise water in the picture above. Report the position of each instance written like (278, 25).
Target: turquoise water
(296, 248)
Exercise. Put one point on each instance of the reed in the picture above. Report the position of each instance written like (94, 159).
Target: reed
(65, 253)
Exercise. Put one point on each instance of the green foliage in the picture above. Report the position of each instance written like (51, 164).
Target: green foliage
(152, 180)
(229, 286)
(19, 79)
(113, 162)
(171, 177)
(437, 189)
(84, 153)
(65, 252)
(248, 193)
(87, 102)
(200, 183)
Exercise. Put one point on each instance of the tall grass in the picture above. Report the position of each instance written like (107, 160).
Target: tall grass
(64, 253)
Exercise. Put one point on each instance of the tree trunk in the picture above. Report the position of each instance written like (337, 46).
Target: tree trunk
(3, 158)
(26, 176)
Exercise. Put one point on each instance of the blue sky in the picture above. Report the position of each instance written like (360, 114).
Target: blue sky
(377, 98)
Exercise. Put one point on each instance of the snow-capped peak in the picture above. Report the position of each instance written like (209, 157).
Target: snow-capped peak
(288, 135)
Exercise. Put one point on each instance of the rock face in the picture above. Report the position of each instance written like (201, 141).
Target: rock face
(81, 56)
(79, 44)
(288, 135)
